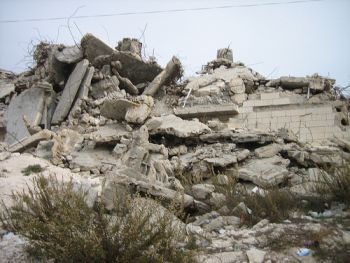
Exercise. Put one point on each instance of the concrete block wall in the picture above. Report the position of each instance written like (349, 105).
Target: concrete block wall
(310, 122)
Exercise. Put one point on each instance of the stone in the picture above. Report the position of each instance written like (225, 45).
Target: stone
(103, 87)
(172, 125)
(69, 55)
(200, 82)
(255, 255)
(110, 133)
(265, 172)
(70, 91)
(232, 73)
(31, 141)
(83, 91)
(222, 161)
(6, 89)
(88, 160)
(171, 73)
(30, 103)
(93, 47)
(237, 86)
(268, 150)
(242, 155)
(116, 109)
(44, 149)
(141, 112)
(202, 191)
(237, 137)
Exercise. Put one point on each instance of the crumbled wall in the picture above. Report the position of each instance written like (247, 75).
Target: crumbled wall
(275, 110)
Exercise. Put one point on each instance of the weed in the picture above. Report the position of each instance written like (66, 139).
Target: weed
(60, 226)
(36, 168)
(334, 185)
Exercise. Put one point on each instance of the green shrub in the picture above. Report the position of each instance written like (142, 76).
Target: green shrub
(36, 168)
(60, 226)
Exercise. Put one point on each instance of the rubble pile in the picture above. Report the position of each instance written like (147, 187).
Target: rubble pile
(116, 121)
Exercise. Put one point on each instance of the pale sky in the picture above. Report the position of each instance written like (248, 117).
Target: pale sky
(275, 40)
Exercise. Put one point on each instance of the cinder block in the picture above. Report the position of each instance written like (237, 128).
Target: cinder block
(281, 101)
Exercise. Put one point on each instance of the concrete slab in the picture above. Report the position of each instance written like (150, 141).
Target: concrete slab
(206, 110)
(69, 92)
(30, 103)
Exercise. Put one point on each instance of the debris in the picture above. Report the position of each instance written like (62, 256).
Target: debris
(303, 252)
(31, 141)
(207, 110)
(172, 125)
(172, 72)
(69, 92)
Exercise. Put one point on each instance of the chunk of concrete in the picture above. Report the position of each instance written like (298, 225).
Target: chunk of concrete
(172, 72)
(265, 172)
(206, 110)
(140, 113)
(94, 47)
(70, 91)
(116, 108)
(268, 150)
(69, 55)
(202, 191)
(83, 91)
(176, 126)
(6, 89)
(256, 255)
(31, 141)
(30, 103)
(237, 86)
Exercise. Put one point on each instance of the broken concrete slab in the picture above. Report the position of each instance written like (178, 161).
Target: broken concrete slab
(314, 82)
(268, 150)
(225, 53)
(83, 91)
(116, 108)
(69, 55)
(265, 172)
(140, 113)
(172, 125)
(70, 91)
(6, 89)
(31, 141)
(30, 103)
(206, 110)
(238, 137)
(94, 47)
(171, 73)
(110, 133)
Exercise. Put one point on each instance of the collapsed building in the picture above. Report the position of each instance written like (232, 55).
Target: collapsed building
(111, 114)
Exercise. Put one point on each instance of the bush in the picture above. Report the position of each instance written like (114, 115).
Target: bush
(60, 226)
(36, 168)
(334, 185)
(274, 203)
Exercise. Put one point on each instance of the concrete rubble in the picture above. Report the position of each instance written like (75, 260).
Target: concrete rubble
(109, 113)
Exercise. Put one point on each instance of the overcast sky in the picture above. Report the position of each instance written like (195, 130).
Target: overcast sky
(275, 40)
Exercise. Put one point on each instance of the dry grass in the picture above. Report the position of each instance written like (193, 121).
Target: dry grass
(334, 185)
(60, 226)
